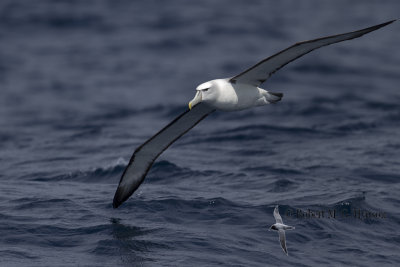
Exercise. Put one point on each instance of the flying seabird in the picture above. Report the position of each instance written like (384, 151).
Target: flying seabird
(236, 93)
(281, 228)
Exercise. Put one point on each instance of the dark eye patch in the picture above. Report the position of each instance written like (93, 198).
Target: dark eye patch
(205, 90)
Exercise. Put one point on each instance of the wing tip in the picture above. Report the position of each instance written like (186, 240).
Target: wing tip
(116, 200)
(384, 24)
(119, 197)
(115, 205)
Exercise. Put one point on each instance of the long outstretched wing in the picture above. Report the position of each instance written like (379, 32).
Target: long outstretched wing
(282, 240)
(147, 153)
(260, 72)
(277, 216)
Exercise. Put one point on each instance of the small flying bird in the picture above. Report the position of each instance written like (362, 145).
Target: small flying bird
(230, 94)
(281, 228)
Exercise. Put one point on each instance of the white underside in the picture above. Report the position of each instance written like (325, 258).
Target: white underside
(232, 97)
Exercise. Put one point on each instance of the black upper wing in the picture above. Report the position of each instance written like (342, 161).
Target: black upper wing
(260, 72)
(147, 153)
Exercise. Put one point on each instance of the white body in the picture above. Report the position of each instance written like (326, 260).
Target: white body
(281, 226)
(224, 95)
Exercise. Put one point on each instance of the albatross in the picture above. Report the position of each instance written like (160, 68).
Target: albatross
(230, 94)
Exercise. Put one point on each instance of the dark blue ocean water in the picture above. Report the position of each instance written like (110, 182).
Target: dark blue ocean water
(82, 83)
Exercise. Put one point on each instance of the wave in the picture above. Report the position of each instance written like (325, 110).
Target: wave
(21, 15)
(110, 174)
(281, 185)
(30, 203)
(255, 132)
(162, 171)
(375, 175)
(16, 253)
(269, 169)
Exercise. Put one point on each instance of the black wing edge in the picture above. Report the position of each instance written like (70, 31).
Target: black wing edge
(369, 29)
(119, 196)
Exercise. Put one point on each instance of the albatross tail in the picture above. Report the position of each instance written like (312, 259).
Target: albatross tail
(273, 97)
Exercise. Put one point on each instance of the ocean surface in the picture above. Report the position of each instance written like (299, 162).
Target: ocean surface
(83, 83)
